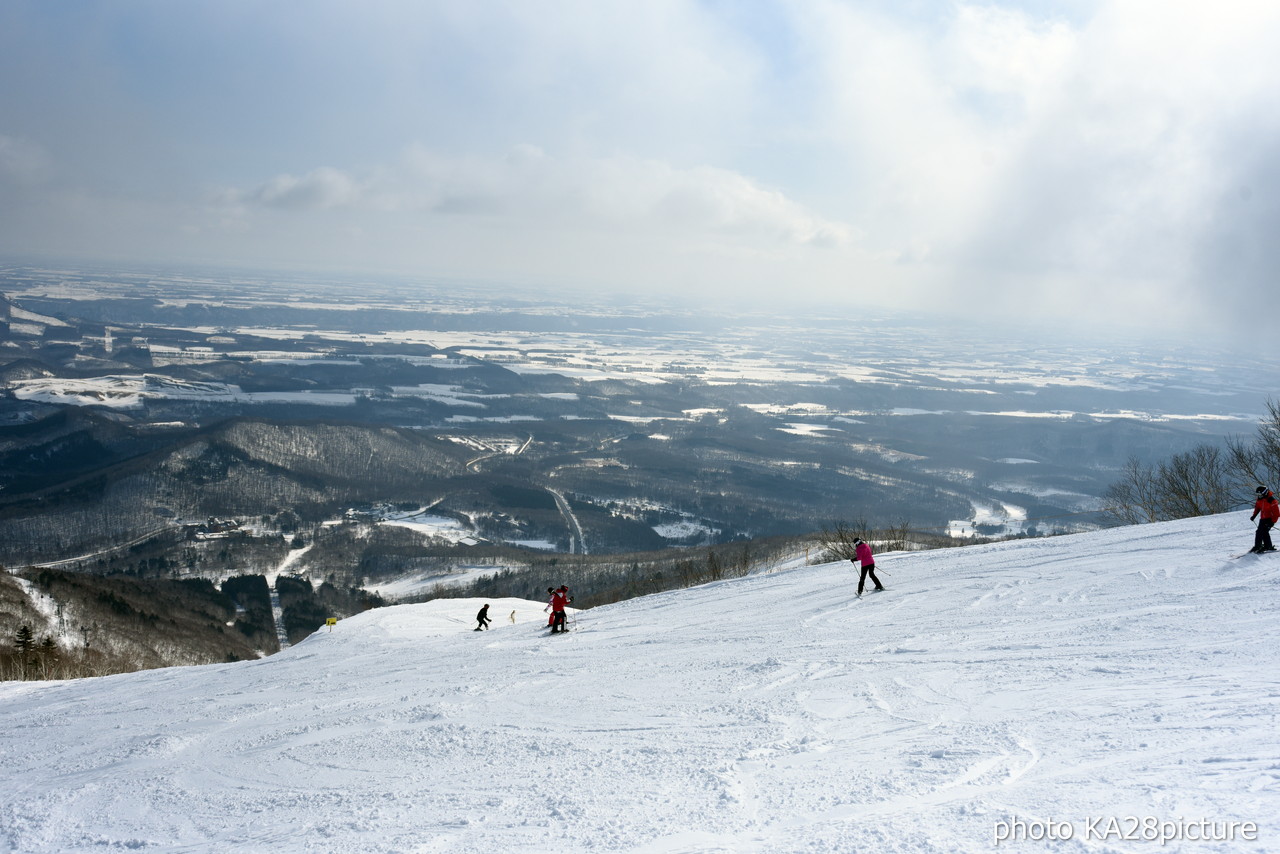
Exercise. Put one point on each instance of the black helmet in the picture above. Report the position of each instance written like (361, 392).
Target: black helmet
(1261, 490)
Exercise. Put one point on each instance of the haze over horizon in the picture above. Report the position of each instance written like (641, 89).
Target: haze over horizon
(1112, 159)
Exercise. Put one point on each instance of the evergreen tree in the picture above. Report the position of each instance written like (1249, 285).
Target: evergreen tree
(24, 641)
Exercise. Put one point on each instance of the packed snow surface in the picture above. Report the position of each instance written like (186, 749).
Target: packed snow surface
(1110, 684)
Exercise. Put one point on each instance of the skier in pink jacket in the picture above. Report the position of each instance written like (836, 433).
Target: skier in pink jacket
(862, 554)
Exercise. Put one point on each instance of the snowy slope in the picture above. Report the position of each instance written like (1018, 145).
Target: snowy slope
(1078, 680)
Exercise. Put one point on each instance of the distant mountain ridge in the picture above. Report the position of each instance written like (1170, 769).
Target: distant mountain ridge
(110, 480)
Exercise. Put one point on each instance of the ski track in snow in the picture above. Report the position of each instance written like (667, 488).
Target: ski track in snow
(1120, 673)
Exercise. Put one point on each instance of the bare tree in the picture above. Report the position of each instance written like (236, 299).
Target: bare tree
(837, 542)
(714, 569)
(1129, 499)
(1195, 483)
(1258, 461)
(894, 537)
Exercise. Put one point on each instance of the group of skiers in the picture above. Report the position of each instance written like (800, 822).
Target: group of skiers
(1266, 510)
(557, 603)
(558, 600)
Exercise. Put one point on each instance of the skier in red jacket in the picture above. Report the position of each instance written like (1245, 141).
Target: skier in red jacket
(559, 602)
(862, 552)
(1269, 509)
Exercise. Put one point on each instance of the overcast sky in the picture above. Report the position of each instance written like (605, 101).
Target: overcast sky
(1093, 159)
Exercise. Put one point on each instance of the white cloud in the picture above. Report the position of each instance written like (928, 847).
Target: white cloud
(1116, 178)
(320, 189)
(1007, 62)
(526, 187)
(1075, 167)
(1112, 156)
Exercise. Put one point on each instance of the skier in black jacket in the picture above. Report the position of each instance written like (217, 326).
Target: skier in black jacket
(482, 618)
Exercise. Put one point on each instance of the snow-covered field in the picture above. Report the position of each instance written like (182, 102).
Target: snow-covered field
(1103, 685)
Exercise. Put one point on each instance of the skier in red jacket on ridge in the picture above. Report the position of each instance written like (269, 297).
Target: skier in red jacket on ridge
(1269, 509)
